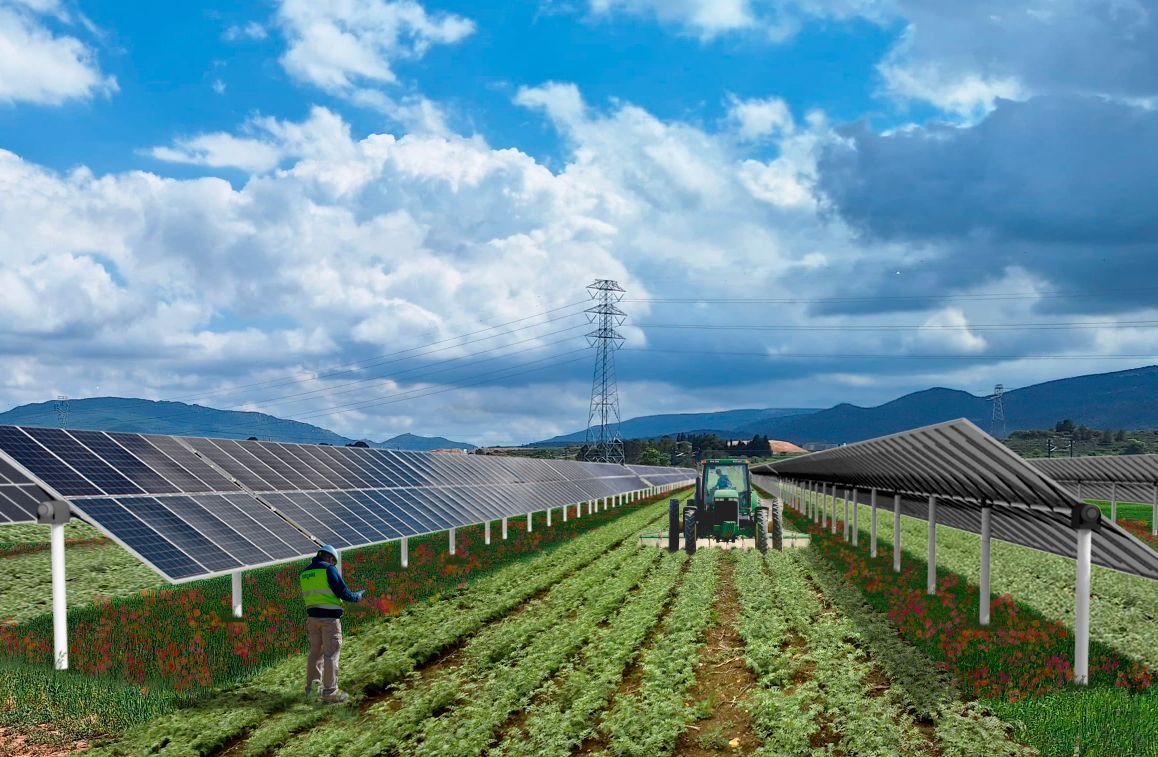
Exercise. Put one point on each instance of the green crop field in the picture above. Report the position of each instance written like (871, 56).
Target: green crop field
(586, 642)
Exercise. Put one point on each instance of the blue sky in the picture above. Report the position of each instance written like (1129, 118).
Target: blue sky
(225, 201)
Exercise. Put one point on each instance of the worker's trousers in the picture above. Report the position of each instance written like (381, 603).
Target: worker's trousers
(325, 645)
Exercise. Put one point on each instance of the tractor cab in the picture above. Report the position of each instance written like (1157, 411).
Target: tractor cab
(726, 505)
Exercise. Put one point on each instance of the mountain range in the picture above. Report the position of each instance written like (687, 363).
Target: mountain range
(1122, 399)
(1119, 400)
(180, 419)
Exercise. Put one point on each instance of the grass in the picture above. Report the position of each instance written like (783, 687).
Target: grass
(1107, 722)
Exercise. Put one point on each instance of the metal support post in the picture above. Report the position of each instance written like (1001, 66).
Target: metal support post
(1082, 609)
(823, 506)
(565, 509)
(504, 528)
(1154, 513)
(873, 527)
(59, 598)
(832, 518)
(897, 533)
(932, 573)
(548, 517)
(452, 541)
(487, 532)
(986, 530)
(235, 579)
(847, 529)
(855, 527)
(528, 522)
(406, 551)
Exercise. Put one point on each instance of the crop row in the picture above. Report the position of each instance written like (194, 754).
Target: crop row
(562, 717)
(647, 722)
(959, 727)
(1121, 613)
(394, 721)
(383, 652)
(490, 646)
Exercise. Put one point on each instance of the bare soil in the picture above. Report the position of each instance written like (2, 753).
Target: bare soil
(723, 680)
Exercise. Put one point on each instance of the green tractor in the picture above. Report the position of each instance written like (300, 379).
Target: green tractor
(727, 507)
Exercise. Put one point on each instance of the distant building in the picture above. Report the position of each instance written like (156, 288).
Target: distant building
(785, 448)
(450, 451)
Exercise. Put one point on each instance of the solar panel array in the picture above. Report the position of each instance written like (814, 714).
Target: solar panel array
(658, 475)
(963, 466)
(193, 508)
(19, 496)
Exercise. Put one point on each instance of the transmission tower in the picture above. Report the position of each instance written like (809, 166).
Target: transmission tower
(603, 442)
(997, 428)
(61, 406)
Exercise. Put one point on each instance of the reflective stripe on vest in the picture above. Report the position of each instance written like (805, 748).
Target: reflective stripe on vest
(316, 591)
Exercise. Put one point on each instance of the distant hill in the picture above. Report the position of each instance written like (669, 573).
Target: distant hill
(653, 426)
(421, 443)
(1123, 399)
(180, 419)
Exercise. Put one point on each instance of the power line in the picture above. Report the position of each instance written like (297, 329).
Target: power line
(1060, 326)
(893, 298)
(885, 356)
(373, 361)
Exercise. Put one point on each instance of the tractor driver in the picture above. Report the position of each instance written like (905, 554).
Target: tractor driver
(723, 482)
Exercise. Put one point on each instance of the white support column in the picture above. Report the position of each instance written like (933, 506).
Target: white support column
(452, 541)
(855, 528)
(832, 514)
(873, 526)
(548, 517)
(847, 527)
(897, 533)
(823, 507)
(565, 509)
(931, 581)
(1082, 609)
(504, 529)
(235, 579)
(814, 503)
(406, 551)
(59, 600)
(986, 529)
(1154, 513)
(487, 532)
(529, 522)
(1114, 502)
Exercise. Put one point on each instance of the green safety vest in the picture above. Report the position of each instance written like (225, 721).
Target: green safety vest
(316, 591)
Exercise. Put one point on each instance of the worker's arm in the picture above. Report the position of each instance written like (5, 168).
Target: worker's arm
(338, 586)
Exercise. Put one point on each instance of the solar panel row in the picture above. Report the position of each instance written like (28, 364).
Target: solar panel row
(1045, 530)
(19, 496)
(197, 507)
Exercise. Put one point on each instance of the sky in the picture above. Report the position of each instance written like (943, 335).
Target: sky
(381, 216)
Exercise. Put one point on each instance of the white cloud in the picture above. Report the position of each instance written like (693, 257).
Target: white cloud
(342, 45)
(757, 119)
(706, 17)
(251, 31)
(267, 144)
(39, 66)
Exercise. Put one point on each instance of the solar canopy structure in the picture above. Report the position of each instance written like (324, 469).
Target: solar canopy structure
(1129, 478)
(193, 508)
(657, 475)
(957, 475)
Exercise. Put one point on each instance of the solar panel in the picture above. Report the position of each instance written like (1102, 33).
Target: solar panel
(962, 466)
(192, 508)
(19, 496)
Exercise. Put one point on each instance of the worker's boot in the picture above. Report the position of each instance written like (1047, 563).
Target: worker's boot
(338, 697)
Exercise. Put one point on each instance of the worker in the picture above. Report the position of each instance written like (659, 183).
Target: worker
(323, 591)
(723, 482)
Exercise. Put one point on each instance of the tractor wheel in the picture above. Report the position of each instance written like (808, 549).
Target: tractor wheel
(690, 530)
(762, 529)
(777, 527)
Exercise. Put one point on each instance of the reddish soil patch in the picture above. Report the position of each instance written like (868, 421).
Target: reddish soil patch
(13, 744)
